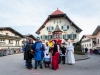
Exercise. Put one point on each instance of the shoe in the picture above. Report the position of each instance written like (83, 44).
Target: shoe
(63, 62)
(45, 66)
(41, 67)
(35, 68)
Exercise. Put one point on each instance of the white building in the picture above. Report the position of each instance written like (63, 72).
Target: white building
(91, 41)
(59, 25)
(87, 41)
(10, 38)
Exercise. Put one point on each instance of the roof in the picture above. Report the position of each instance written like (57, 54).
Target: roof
(57, 14)
(12, 30)
(9, 37)
(96, 30)
(31, 36)
(89, 36)
(57, 29)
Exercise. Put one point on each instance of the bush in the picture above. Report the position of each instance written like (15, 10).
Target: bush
(78, 49)
(79, 52)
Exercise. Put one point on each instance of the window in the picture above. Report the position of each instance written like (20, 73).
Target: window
(65, 36)
(46, 37)
(54, 21)
(60, 21)
(41, 37)
(10, 41)
(74, 36)
(2, 40)
(98, 41)
(68, 35)
(49, 36)
(90, 44)
(17, 42)
(65, 27)
(50, 28)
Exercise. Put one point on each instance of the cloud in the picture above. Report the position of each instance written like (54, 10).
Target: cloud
(27, 16)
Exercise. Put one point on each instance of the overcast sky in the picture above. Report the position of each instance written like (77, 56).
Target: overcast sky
(26, 16)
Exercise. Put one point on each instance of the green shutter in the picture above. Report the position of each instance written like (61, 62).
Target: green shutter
(63, 37)
(46, 37)
(62, 27)
(67, 27)
(75, 36)
(68, 36)
(47, 28)
(52, 28)
(51, 36)
(71, 36)
(41, 36)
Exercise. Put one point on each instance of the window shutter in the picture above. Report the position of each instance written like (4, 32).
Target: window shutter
(63, 37)
(74, 36)
(67, 27)
(41, 36)
(68, 36)
(62, 27)
(51, 36)
(52, 28)
(47, 28)
(46, 37)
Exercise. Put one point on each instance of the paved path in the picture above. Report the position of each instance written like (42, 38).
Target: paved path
(14, 65)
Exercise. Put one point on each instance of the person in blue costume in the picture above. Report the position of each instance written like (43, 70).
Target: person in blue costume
(38, 48)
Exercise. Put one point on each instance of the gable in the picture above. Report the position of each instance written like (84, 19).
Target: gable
(9, 31)
(56, 21)
(58, 14)
(96, 31)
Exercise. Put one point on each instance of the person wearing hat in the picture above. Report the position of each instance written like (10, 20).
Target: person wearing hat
(63, 52)
(38, 48)
(70, 53)
(55, 56)
(28, 54)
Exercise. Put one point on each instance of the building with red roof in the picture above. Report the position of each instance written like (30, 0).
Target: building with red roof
(59, 25)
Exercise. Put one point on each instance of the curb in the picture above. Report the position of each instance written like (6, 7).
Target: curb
(82, 58)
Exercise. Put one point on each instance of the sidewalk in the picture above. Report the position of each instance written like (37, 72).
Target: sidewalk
(81, 57)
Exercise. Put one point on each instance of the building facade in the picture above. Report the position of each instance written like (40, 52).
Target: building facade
(59, 25)
(10, 38)
(91, 41)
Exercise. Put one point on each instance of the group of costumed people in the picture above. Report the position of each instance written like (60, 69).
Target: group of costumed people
(51, 53)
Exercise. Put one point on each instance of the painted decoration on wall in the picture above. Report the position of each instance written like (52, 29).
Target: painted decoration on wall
(49, 32)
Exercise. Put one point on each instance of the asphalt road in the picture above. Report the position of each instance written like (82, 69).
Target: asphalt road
(15, 65)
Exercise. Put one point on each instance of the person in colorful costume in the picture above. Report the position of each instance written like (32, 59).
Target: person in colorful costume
(47, 58)
(55, 56)
(38, 48)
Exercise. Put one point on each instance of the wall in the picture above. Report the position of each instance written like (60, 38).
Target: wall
(14, 40)
(64, 22)
(98, 37)
(87, 44)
